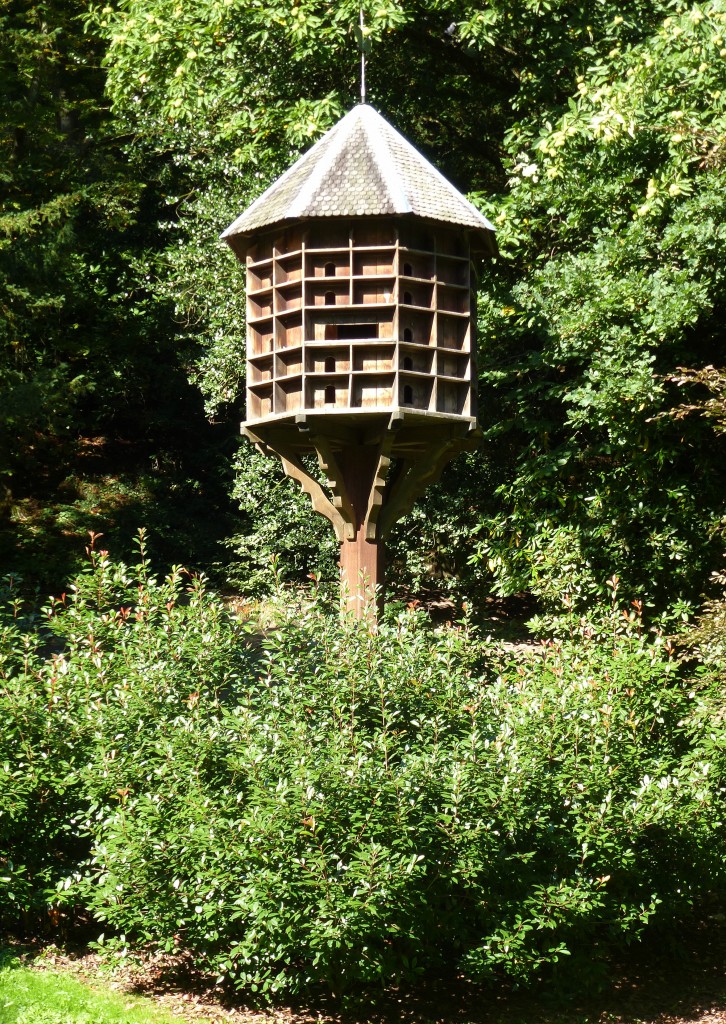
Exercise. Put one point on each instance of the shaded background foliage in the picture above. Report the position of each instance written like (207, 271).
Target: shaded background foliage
(593, 135)
(99, 425)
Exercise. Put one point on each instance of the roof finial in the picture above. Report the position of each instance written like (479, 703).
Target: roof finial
(365, 47)
(362, 58)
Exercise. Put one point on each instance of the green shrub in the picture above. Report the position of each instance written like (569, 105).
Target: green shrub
(40, 740)
(320, 805)
(287, 830)
(115, 629)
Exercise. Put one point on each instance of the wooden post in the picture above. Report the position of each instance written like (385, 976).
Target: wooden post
(371, 487)
(361, 560)
(361, 574)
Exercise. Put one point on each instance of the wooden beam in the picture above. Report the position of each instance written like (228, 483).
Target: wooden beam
(336, 482)
(377, 495)
(295, 469)
(361, 559)
(321, 503)
(411, 481)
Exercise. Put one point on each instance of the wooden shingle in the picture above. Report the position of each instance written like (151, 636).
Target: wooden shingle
(362, 167)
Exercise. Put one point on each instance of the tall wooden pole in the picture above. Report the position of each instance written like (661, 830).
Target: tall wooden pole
(368, 493)
(361, 560)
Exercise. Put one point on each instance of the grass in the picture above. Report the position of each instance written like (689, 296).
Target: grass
(30, 996)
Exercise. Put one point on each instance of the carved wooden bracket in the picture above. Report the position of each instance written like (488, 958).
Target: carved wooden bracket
(321, 503)
(336, 482)
(378, 487)
(411, 480)
(389, 493)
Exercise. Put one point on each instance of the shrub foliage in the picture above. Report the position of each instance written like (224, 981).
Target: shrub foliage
(317, 805)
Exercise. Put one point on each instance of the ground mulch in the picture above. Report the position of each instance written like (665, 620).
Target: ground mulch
(682, 981)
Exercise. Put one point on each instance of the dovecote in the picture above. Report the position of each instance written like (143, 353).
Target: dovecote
(360, 277)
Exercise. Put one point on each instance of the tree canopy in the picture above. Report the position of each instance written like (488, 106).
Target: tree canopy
(591, 133)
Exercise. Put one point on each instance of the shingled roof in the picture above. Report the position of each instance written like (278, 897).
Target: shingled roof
(362, 167)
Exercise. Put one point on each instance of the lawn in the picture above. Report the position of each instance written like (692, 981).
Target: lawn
(31, 996)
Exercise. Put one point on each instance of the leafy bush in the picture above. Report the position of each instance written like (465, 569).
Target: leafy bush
(705, 637)
(322, 805)
(39, 791)
(59, 676)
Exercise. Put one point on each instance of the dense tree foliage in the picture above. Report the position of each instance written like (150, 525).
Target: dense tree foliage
(592, 133)
(614, 222)
(96, 405)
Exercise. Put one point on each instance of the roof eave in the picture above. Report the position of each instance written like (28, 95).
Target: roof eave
(482, 239)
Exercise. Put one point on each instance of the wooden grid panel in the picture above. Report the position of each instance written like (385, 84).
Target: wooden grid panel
(359, 317)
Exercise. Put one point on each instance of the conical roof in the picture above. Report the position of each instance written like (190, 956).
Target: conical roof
(362, 167)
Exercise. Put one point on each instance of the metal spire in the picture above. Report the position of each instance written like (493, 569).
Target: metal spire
(362, 58)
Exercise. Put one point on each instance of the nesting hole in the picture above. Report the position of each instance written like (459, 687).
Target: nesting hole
(354, 332)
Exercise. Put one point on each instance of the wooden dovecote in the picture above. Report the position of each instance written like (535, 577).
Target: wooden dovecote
(360, 334)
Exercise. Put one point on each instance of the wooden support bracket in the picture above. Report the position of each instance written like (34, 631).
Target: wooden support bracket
(374, 477)
(411, 480)
(321, 503)
(295, 469)
(336, 482)
(378, 487)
